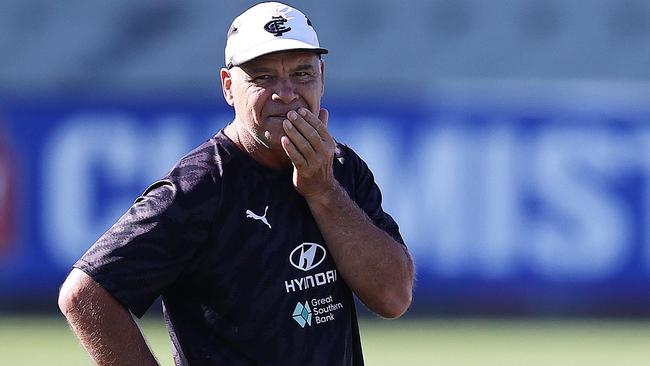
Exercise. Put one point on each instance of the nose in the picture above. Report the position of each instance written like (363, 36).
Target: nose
(285, 92)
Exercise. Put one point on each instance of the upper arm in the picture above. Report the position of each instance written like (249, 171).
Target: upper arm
(149, 247)
(367, 195)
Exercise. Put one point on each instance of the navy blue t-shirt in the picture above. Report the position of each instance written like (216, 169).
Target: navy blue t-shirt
(244, 273)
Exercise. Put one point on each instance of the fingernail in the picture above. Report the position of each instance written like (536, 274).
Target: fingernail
(292, 115)
(287, 124)
(302, 111)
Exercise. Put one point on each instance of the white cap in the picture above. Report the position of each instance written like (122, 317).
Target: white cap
(266, 28)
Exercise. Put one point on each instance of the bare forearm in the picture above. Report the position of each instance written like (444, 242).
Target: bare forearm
(377, 268)
(104, 327)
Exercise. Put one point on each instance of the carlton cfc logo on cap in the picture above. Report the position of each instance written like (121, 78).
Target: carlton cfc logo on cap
(276, 26)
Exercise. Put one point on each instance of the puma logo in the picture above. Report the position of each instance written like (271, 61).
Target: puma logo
(251, 215)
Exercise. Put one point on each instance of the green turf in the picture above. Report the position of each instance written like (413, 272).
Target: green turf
(409, 342)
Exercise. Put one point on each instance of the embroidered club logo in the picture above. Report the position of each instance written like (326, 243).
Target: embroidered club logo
(307, 256)
(302, 314)
(276, 26)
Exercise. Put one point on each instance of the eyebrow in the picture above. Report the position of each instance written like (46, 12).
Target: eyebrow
(263, 69)
(302, 67)
(259, 69)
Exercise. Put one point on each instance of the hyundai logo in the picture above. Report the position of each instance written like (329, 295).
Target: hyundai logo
(307, 256)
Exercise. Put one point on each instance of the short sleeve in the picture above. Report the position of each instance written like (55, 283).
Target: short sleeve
(368, 196)
(149, 246)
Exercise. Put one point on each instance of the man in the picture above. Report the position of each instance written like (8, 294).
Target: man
(258, 238)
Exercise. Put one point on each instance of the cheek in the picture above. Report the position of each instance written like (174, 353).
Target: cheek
(255, 102)
(247, 99)
(312, 96)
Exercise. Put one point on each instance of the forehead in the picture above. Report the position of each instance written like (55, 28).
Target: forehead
(283, 59)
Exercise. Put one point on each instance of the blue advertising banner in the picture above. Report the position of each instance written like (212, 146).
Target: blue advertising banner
(508, 208)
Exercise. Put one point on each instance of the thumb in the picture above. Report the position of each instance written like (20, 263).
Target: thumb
(324, 116)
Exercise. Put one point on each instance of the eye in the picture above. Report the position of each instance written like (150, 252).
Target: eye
(262, 77)
(303, 75)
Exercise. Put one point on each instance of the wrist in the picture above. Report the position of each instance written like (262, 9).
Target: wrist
(328, 196)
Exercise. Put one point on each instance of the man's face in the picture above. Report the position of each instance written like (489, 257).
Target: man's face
(263, 90)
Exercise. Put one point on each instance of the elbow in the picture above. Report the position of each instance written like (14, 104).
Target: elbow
(397, 296)
(71, 294)
(68, 298)
(395, 303)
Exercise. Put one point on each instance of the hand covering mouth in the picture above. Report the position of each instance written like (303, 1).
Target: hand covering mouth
(283, 114)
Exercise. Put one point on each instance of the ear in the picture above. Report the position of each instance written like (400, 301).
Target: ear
(322, 78)
(226, 86)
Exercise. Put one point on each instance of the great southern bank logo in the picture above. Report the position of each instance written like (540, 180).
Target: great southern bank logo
(302, 314)
(318, 311)
(307, 256)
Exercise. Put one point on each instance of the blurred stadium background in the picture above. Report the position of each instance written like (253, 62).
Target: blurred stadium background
(511, 140)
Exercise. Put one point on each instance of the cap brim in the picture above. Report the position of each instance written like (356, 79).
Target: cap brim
(278, 45)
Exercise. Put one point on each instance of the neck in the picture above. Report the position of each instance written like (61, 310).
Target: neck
(260, 151)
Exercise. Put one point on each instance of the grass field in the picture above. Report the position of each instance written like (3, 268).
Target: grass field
(408, 342)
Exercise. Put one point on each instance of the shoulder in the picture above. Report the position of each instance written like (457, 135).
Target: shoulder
(195, 180)
(348, 160)
(350, 170)
(201, 166)
(345, 155)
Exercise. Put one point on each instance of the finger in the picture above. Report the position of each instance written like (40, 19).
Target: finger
(298, 140)
(312, 120)
(324, 116)
(318, 123)
(314, 130)
(292, 152)
(303, 126)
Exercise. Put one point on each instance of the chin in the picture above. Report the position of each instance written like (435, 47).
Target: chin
(272, 138)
